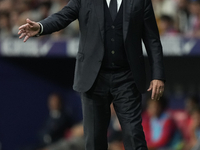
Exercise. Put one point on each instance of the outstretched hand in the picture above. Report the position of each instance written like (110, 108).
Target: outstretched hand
(157, 88)
(29, 29)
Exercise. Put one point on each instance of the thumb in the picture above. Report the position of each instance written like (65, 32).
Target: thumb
(150, 87)
(29, 21)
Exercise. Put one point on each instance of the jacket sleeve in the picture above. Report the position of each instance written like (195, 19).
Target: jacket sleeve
(152, 42)
(61, 19)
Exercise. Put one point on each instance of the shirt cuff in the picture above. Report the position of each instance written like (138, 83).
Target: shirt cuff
(41, 29)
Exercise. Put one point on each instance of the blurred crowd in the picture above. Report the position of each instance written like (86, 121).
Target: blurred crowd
(174, 17)
(14, 13)
(164, 128)
(172, 129)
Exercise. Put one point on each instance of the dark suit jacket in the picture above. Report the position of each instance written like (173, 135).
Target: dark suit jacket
(138, 24)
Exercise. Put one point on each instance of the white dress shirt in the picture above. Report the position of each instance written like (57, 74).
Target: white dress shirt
(118, 3)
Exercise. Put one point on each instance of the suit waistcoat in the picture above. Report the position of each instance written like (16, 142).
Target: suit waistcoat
(114, 55)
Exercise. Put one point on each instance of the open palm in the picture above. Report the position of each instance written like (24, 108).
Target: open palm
(29, 29)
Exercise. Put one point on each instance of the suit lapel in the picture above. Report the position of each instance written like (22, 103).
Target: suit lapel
(99, 8)
(127, 6)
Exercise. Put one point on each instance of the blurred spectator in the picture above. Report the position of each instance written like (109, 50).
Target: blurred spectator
(191, 103)
(6, 5)
(56, 123)
(44, 8)
(57, 5)
(194, 21)
(187, 124)
(194, 143)
(182, 119)
(182, 16)
(166, 26)
(159, 128)
(73, 141)
(184, 13)
(14, 21)
(4, 25)
(164, 7)
(14, 13)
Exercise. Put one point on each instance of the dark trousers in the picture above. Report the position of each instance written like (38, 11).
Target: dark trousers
(117, 87)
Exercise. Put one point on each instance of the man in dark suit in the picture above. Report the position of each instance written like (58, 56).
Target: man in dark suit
(110, 64)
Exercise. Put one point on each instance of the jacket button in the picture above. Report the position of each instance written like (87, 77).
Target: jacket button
(112, 39)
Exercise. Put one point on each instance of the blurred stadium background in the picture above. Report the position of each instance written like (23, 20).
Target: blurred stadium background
(31, 71)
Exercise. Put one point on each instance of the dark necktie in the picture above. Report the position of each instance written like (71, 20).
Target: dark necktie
(113, 8)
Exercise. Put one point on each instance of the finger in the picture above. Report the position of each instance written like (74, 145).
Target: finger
(156, 93)
(22, 35)
(23, 27)
(20, 31)
(161, 91)
(30, 22)
(153, 93)
(160, 95)
(150, 87)
(26, 38)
